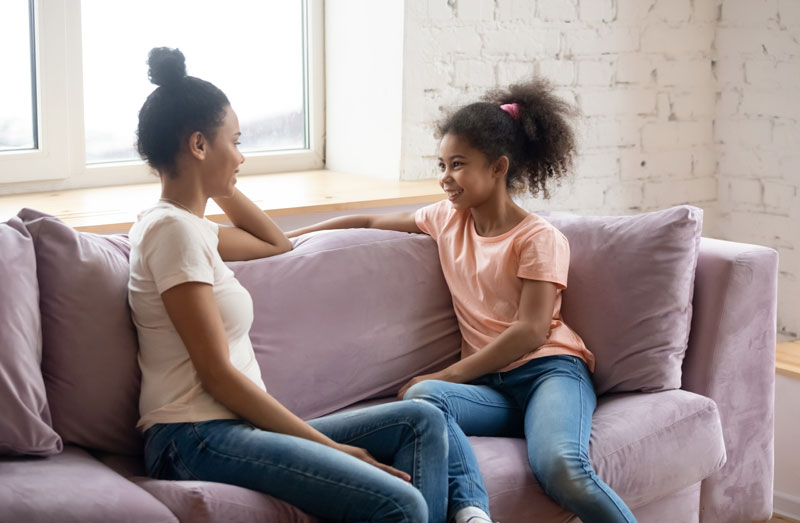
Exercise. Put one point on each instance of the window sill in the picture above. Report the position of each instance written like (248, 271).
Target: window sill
(787, 359)
(114, 209)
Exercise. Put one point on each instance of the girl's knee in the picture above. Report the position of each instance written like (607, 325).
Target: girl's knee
(561, 477)
(425, 413)
(428, 390)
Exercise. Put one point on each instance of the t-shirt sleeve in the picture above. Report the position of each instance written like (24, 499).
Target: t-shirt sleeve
(544, 255)
(431, 218)
(176, 252)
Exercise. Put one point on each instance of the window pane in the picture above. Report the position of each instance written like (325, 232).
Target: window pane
(17, 102)
(252, 50)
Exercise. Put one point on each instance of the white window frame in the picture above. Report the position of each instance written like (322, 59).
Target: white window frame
(60, 161)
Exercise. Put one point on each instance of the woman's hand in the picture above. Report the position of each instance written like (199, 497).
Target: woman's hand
(363, 455)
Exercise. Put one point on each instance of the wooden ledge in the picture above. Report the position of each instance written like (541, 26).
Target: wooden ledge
(114, 209)
(787, 360)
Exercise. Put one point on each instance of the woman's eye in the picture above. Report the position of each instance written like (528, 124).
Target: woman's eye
(237, 144)
(442, 166)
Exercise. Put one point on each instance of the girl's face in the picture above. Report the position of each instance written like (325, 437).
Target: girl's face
(465, 174)
(223, 158)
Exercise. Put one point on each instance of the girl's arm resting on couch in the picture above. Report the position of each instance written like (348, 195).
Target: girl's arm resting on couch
(398, 221)
(195, 315)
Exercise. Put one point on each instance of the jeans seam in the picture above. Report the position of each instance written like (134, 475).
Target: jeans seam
(446, 395)
(295, 471)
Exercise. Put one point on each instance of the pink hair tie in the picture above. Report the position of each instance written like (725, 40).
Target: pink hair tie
(512, 109)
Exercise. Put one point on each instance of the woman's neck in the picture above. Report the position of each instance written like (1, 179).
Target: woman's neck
(182, 193)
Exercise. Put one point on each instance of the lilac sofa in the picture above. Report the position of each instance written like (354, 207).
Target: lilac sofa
(683, 329)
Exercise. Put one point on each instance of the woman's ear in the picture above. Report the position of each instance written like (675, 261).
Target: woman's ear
(198, 145)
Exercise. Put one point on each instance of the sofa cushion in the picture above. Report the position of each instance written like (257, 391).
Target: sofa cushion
(629, 294)
(25, 420)
(73, 487)
(89, 356)
(205, 501)
(349, 315)
(644, 446)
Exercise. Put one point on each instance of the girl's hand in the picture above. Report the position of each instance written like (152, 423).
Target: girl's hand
(413, 381)
(363, 455)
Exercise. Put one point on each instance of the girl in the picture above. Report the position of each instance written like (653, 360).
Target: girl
(522, 369)
(206, 413)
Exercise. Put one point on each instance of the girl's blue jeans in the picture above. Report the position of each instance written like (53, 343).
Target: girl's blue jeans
(549, 400)
(410, 436)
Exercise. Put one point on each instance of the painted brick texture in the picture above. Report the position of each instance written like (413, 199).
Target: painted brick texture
(682, 101)
(757, 123)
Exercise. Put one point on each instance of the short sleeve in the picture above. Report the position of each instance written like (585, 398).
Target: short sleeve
(544, 255)
(431, 218)
(176, 251)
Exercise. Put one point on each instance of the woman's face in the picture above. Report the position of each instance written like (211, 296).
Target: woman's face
(223, 158)
(465, 174)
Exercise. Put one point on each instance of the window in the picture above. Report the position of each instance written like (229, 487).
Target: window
(18, 97)
(92, 71)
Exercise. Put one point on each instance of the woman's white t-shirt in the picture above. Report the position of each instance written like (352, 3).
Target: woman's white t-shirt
(170, 246)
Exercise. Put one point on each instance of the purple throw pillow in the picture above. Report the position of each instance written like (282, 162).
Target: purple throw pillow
(25, 419)
(89, 352)
(349, 315)
(629, 294)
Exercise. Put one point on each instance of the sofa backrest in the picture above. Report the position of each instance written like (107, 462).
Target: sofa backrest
(731, 359)
(349, 315)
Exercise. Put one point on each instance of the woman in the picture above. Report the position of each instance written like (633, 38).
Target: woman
(205, 411)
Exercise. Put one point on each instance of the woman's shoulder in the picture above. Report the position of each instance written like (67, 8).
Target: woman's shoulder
(166, 220)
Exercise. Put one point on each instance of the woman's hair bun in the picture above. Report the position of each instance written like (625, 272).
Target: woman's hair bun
(167, 66)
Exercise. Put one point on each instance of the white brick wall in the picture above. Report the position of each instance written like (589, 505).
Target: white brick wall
(683, 101)
(757, 135)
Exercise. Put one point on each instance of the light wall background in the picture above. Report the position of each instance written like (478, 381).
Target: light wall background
(682, 101)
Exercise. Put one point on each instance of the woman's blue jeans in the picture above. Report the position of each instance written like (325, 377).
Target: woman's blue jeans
(410, 436)
(550, 401)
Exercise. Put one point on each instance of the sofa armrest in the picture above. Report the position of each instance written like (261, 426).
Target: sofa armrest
(731, 359)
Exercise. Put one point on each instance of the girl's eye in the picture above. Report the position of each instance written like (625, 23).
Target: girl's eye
(457, 164)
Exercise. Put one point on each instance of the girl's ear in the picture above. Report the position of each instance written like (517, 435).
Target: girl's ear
(500, 167)
(198, 145)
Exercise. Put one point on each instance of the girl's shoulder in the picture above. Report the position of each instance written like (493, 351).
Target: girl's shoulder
(536, 229)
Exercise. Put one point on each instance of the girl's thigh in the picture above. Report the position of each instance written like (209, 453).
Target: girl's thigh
(311, 476)
(558, 414)
(479, 410)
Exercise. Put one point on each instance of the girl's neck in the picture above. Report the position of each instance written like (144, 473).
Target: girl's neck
(497, 215)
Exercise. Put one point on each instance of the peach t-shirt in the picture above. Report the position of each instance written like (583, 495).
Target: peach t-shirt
(485, 277)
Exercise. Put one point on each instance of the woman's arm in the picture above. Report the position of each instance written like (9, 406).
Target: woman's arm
(529, 332)
(398, 221)
(253, 235)
(195, 315)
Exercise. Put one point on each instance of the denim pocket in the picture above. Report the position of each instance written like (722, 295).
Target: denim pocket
(174, 466)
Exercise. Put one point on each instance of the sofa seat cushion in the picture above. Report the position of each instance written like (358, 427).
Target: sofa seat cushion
(73, 487)
(205, 501)
(644, 446)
